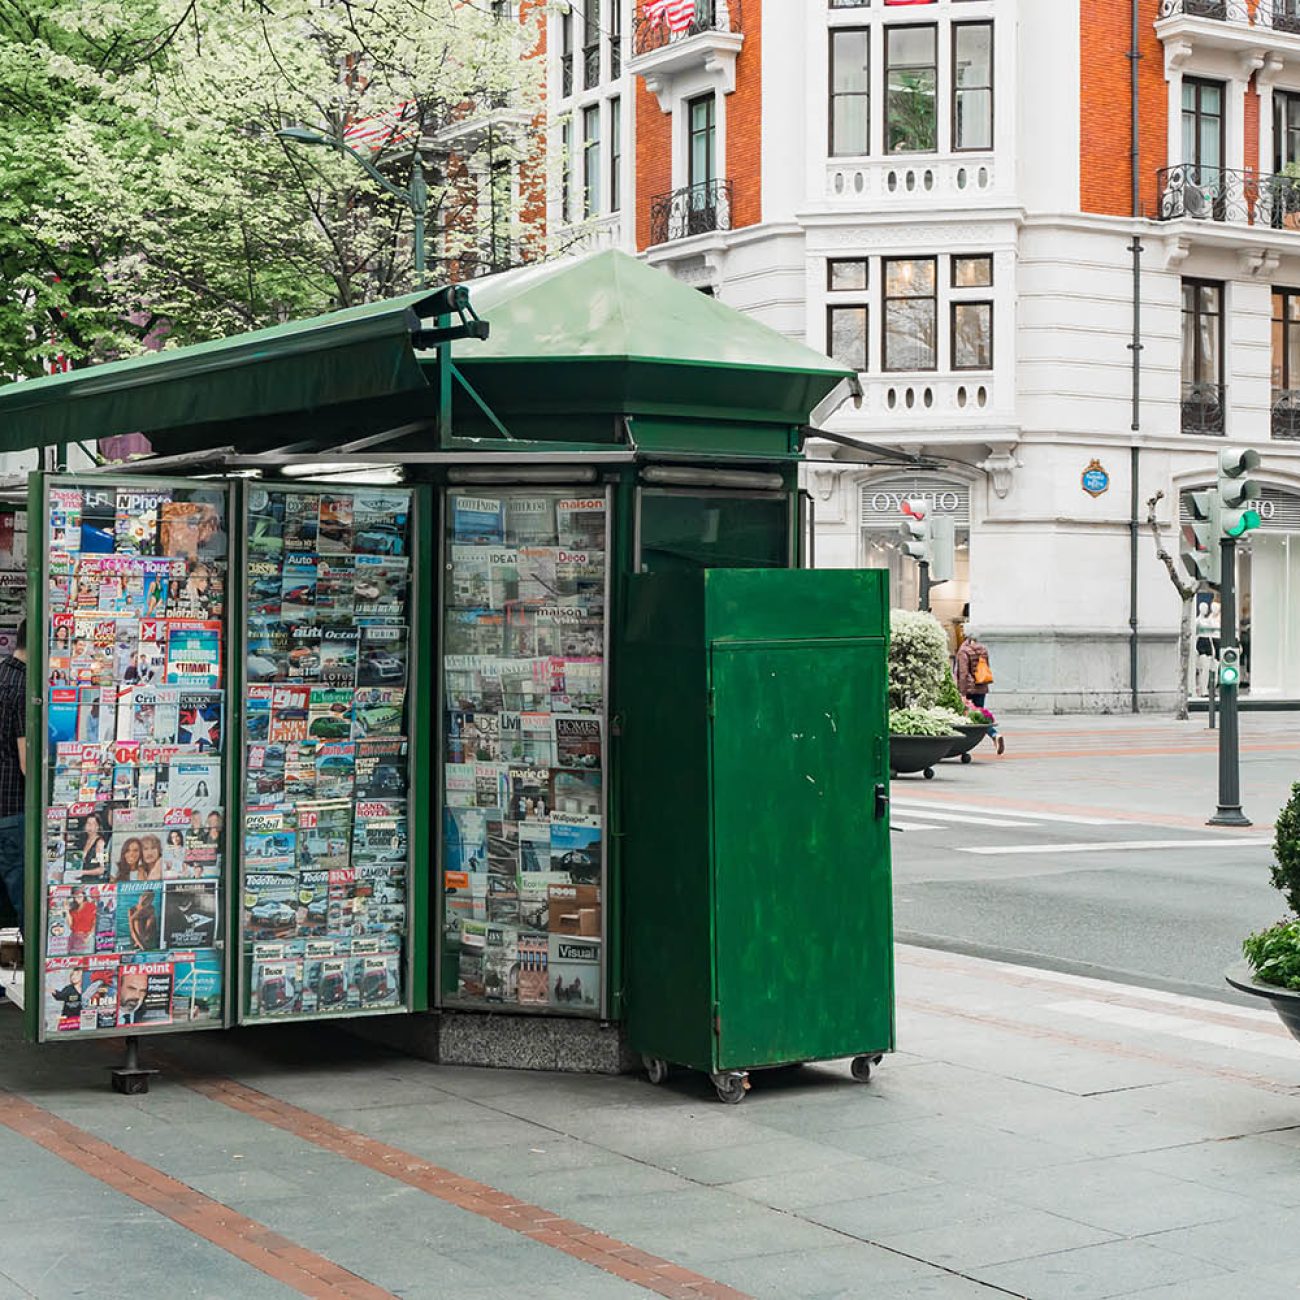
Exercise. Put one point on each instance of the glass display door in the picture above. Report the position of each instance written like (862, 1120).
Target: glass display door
(523, 706)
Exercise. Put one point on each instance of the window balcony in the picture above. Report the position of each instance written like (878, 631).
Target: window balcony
(1286, 413)
(694, 210)
(1278, 15)
(1203, 407)
(1218, 194)
(709, 44)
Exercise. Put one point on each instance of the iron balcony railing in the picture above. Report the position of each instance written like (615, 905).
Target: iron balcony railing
(1203, 407)
(694, 210)
(710, 16)
(1281, 15)
(1286, 413)
(1243, 198)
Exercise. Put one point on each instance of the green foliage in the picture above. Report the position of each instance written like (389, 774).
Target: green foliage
(920, 722)
(145, 193)
(918, 660)
(1274, 954)
(1285, 872)
(950, 696)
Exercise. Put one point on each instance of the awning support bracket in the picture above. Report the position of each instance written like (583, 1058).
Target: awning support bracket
(479, 402)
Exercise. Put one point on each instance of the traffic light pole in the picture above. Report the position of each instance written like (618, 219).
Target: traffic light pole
(1229, 811)
(924, 566)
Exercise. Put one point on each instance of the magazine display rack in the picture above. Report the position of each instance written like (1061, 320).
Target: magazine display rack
(127, 808)
(325, 855)
(523, 695)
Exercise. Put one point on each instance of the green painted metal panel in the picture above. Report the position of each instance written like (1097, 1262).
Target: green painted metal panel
(803, 932)
(755, 869)
(356, 355)
(722, 438)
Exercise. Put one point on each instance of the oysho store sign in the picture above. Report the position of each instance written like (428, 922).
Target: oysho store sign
(882, 499)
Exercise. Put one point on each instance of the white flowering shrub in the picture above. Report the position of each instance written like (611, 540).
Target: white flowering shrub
(918, 660)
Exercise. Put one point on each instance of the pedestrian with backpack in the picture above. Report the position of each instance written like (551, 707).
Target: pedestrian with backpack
(974, 677)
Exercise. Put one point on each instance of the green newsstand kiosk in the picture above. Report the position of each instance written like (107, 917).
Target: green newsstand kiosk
(356, 698)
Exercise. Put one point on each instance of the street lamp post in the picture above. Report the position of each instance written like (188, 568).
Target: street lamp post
(415, 195)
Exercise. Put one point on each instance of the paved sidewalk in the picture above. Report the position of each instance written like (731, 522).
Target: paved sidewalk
(1039, 1135)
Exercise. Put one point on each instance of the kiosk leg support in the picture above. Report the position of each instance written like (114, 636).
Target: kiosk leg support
(130, 1079)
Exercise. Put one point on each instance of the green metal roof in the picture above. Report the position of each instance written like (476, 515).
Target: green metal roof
(340, 362)
(641, 342)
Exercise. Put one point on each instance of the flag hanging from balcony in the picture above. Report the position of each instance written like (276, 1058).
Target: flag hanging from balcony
(373, 133)
(676, 15)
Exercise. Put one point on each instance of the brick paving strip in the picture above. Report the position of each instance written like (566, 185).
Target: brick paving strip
(279, 1258)
(532, 1221)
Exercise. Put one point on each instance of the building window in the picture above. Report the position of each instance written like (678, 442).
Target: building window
(591, 44)
(591, 161)
(972, 272)
(566, 54)
(1286, 129)
(1286, 363)
(972, 336)
(1202, 366)
(911, 310)
(972, 85)
(911, 78)
(846, 273)
(615, 154)
(702, 141)
(566, 166)
(846, 335)
(850, 81)
(501, 202)
(615, 39)
(1203, 127)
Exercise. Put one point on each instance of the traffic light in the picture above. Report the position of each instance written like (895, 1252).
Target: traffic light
(1201, 549)
(1229, 666)
(1235, 491)
(916, 529)
(943, 548)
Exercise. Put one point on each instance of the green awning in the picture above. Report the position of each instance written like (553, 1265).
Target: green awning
(607, 333)
(353, 369)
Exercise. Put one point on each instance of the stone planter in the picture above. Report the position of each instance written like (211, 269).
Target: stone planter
(917, 753)
(968, 738)
(1286, 1002)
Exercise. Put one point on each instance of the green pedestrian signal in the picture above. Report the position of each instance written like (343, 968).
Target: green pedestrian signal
(1230, 666)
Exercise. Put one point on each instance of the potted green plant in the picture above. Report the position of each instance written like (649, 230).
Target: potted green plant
(971, 724)
(918, 671)
(1272, 966)
(918, 739)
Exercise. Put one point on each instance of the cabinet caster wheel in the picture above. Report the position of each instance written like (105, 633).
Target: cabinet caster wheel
(861, 1068)
(731, 1088)
(966, 758)
(929, 774)
(656, 1069)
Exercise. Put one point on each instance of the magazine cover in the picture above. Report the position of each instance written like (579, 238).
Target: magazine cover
(380, 586)
(530, 794)
(532, 985)
(336, 589)
(139, 915)
(88, 847)
(382, 660)
(503, 846)
(380, 518)
(336, 765)
(484, 576)
(475, 632)
(466, 839)
(329, 713)
(194, 653)
(149, 713)
(470, 972)
(480, 520)
(381, 767)
(577, 741)
(194, 782)
(577, 792)
(288, 719)
(80, 994)
(530, 521)
(198, 722)
(576, 846)
(313, 902)
(379, 834)
(268, 650)
(534, 847)
(574, 973)
(264, 775)
(65, 519)
(324, 834)
(264, 587)
(333, 986)
(501, 963)
(301, 518)
(304, 652)
(58, 923)
(145, 993)
(574, 909)
(190, 916)
(98, 520)
(338, 655)
(137, 518)
(270, 904)
(459, 785)
(580, 523)
(535, 898)
(378, 711)
(276, 980)
(378, 978)
(265, 522)
(298, 587)
(270, 840)
(196, 986)
(334, 532)
(580, 577)
(191, 530)
(491, 785)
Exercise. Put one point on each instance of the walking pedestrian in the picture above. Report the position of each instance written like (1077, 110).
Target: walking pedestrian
(974, 677)
(13, 771)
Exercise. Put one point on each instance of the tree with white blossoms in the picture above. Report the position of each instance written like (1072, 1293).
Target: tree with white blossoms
(144, 190)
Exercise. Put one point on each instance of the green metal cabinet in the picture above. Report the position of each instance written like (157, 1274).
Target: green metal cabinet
(756, 885)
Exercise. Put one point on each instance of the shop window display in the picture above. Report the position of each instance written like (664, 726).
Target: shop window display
(325, 870)
(524, 832)
(133, 841)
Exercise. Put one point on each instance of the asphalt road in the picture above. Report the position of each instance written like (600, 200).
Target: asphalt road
(1085, 849)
